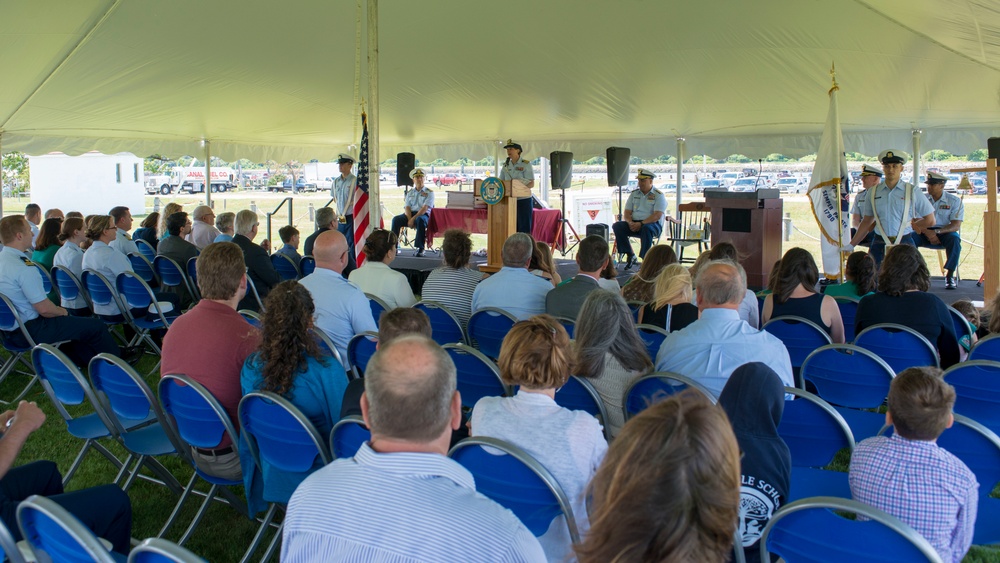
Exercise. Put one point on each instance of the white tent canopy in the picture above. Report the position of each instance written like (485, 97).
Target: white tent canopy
(276, 80)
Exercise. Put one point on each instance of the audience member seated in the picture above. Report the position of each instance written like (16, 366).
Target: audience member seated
(669, 488)
(47, 243)
(175, 247)
(566, 299)
(699, 263)
(608, 277)
(542, 264)
(608, 352)
(54, 213)
(400, 497)
(225, 222)
(754, 400)
(211, 342)
(70, 257)
(122, 218)
(326, 219)
(258, 263)
(33, 214)
(971, 314)
(454, 283)
(795, 295)
(860, 276)
(908, 475)
(168, 210)
(749, 310)
(772, 280)
(103, 259)
(342, 310)
(671, 308)
(640, 286)
(203, 231)
(711, 348)
(105, 509)
(902, 298)
(147, 230)
(44, 321)
(949, 212)
(536, 356)
(992, 315)
(290, 243)
(513, 289)
(375, 277)
(291, 364)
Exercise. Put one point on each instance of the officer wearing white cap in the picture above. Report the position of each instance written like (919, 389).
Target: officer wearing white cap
(870, 175)
(516, 168)
(643, 213)
(948, 214)
(892, 208)
(342, 193)
(416, 209)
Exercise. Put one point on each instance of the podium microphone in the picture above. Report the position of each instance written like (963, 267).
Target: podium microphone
(760, 166)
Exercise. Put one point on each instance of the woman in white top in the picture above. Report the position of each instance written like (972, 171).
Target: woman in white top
(70, 257)
(376, 278)
(570, 444)
(103, 259)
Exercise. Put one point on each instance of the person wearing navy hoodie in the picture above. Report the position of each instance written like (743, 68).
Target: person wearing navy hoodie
(754, 399)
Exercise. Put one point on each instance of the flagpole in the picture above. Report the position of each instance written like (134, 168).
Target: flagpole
(840, 199)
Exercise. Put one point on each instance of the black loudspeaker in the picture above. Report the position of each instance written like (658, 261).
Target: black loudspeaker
(404, 165)
(600, 230)
(993, 147)
(618, 158)
(562, 169)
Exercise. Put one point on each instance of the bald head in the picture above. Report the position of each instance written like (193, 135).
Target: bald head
(720, 285)
(409, 386)
(330, 251)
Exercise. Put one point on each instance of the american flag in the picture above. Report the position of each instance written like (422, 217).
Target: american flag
(361, 224)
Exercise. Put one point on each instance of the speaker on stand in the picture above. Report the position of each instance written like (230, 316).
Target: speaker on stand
(618, 159)
(405, 162)
(562, 179)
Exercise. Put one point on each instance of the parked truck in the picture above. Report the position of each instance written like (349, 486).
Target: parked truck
(190, 179)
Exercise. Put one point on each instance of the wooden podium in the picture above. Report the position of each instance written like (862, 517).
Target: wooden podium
(752, 222)
(501, 222)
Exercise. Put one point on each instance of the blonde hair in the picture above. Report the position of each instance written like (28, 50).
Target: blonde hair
(673, 284)
(535, 354)
(98, 225)
(168, 210)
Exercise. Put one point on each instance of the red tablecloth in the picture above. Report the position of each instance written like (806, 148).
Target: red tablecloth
(544, 227)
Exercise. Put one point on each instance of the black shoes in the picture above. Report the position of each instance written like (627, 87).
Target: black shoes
(949, 282)
(420, 253)
(629, 262)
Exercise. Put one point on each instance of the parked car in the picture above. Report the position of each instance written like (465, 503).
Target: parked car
(978, 185)
(792, 185)
(711, 183)
(746, 185)
(628, 188)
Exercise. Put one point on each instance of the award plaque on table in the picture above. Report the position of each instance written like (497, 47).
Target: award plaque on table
(501, 218)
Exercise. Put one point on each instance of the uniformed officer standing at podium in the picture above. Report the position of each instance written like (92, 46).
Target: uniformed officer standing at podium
(517, 168)
(643, 213)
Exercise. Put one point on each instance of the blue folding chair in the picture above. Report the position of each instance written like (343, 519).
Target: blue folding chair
(347, 436)
(10, 321)
(811, 530)
(635, 307)
(192, 273)
(652, 336)
(276, 432)
(46, 277)
(172, 275)
(814, 432)
(199, 421)
(252, 317)
(800, 337)
(138, 296)
(901, 347)
(854, 381)
(487, 329)
(515, 480)
(135, 420)
(307, 265)
(977, 389)
(378, 307)
(962, 326)
(986, 349)
(285, 266)
(578, 394)
(102, 292)
(655, 387)
(70, 287)
(360, 349)
(979, 449)
(445, 326)
(156, 550)
(56, 535)
(142, 267)
(9, 546)
(252, 290)
(477, 375)
(569, 324)
(327, 347)
(146, 249)
(848, 311)
(65, 385)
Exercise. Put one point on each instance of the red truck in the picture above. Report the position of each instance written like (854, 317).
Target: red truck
(449, 179)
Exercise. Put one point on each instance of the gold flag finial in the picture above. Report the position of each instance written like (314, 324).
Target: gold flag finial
(833, 78)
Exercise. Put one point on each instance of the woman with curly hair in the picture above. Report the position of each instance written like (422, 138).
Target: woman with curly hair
(640, 287)
(291, 364)
(168, 210)
(902, 298)
(375, 277)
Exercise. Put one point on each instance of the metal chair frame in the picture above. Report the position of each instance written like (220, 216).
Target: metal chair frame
(664, 377)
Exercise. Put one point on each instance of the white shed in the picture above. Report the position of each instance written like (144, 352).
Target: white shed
(91, 183)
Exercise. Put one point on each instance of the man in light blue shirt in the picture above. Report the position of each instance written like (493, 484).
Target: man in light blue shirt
(342, 310)
(123, 223)
(342, 192)
(416, 209)
(642, 217)
(948, 215)
(516, 168)
(400, 499)
(886, 211)
(514, 289)
(710, 349)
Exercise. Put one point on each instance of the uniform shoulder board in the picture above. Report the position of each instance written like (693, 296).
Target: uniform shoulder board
(657, 190)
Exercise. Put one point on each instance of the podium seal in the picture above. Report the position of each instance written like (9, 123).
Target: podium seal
(491, 190)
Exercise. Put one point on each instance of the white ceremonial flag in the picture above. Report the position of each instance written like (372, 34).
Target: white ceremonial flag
(828, 175)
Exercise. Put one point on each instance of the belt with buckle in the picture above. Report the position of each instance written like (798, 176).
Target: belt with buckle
(220, 451)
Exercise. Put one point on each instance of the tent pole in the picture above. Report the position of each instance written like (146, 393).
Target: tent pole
(374, 208)
(680, 173)
(916, 157)
(208, 173)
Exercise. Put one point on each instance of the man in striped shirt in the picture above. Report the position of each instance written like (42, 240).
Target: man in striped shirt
(399, 499)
